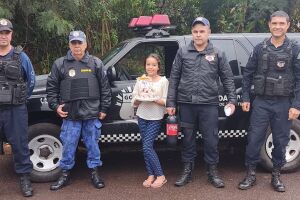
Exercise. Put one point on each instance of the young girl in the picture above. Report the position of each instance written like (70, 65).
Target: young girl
(149, 96)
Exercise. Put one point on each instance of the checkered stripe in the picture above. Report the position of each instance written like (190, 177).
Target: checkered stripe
(136, 137)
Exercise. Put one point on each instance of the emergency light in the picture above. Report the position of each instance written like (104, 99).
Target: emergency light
(160, 20)
(143, 21)
(132, 22)
(151, 26)
(148, 21)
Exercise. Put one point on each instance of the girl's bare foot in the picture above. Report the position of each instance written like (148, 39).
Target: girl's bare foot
(160, 181)
(147, 183)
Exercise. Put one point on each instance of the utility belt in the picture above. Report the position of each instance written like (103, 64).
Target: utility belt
(269, 86)
(12, 94)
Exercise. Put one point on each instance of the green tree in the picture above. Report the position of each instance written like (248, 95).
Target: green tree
(42, 27)
(181, 13)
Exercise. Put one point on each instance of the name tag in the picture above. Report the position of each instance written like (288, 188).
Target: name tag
(86, 70)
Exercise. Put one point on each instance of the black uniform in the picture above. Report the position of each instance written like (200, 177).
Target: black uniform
(17, 81)
(84, 96)
(194, 85)
(275, 73)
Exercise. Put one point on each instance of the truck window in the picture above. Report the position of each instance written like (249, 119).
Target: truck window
(114, 51)
(227, 46)
(242, 55)
(131, 65)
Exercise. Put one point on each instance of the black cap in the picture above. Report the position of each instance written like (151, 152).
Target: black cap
(5, 25)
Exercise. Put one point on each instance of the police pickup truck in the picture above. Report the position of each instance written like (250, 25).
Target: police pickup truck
(124, 63)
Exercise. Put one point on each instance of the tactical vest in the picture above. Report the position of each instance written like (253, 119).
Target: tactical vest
(79, 82)
(12, 85)
(274, 76)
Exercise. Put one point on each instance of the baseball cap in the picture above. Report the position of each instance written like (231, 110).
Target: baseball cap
(5, 25)
(77, 35)
(201, 20)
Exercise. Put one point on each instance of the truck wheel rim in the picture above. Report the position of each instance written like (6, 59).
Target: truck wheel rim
(292, 149)
(45, 152)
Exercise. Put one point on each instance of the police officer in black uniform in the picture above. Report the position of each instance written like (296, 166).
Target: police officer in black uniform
(79, 92)
(194, 88)
(17, 81)
(274, 69)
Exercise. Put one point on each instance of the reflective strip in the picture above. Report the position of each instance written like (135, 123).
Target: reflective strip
(136, 137)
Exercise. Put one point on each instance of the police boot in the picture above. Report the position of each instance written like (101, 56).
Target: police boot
(213, 177)
(62, 181)
(276, 182)
(25, 184)
(186, 175)
(96, 180)
(249, 180)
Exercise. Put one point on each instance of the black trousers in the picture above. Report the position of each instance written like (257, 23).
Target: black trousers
(206, 118)
(14, 124)
(274, 112)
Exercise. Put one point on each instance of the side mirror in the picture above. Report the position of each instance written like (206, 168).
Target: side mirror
(111, 74)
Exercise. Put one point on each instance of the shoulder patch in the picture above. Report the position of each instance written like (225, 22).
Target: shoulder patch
(298, 57)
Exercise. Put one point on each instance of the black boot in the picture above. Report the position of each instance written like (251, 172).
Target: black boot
(186, 175)
(213, 177)
(249, 180)
(276, 182)
(26, 187)
(96, 180)
(62, 181)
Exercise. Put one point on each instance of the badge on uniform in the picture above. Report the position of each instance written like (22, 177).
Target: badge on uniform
(85, 70)
(72, 72)
(210, 57)
(280, 64)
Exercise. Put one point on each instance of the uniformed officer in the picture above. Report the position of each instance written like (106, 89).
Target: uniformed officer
(17, 81)
(79, 92)
(274, 69)
(194, 88)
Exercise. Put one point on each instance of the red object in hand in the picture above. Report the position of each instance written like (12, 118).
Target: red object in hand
(172, 130)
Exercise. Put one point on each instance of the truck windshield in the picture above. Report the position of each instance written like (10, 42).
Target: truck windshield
(111, 53)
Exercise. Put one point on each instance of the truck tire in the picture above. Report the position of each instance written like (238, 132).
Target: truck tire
(45, 151)
(292, 150)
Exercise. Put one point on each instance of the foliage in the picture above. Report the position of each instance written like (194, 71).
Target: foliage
(295, 22)
(182, 13)
(42, 26)
(248, 15)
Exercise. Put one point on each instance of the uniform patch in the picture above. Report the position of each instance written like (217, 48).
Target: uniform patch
(76, 33)
(210, 57)
(72, 72)
(85, 70)
(298, 57)
(280, 64)
(3, 22)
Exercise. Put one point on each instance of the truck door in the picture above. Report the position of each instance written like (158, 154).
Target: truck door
(121, 117)
(237, 57)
